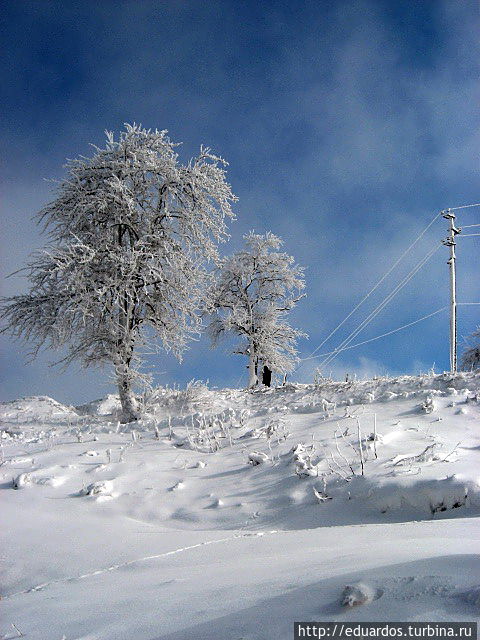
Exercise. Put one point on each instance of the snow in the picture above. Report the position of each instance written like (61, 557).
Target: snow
(233, 514)
(357, 594)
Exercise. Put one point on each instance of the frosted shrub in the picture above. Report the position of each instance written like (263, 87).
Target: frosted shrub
(257, 457)
(21, 481)
(304, 468)
(428, 405)
(302, 457)
(100, 488)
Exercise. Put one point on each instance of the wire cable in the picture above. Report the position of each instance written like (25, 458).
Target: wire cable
(375, 287)
(465, 206)
(388, 333)
(389, 297)
(380, 307)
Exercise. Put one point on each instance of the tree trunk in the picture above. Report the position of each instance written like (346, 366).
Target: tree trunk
(127, 399)
(252, 368)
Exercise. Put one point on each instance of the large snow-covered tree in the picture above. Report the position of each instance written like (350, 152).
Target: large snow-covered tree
(254, 290)
(471, 356)
(131, 232)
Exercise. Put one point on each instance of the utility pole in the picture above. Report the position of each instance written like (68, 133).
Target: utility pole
(450, 242)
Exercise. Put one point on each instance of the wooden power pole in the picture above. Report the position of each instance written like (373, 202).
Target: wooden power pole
(450, 242)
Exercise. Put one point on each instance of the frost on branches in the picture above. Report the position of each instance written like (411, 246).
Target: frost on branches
(254, 292)
(131, 231)
(471, 357)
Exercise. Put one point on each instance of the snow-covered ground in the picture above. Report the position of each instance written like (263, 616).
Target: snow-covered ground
(227, 515)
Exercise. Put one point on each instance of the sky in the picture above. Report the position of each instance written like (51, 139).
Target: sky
(347, 126)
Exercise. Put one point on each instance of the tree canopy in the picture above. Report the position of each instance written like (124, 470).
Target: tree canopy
(131, 231)
(254, 291)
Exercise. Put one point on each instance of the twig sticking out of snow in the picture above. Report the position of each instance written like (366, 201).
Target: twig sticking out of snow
(321, 496)
(340, 470)
(341, 454)
(19, 633)
(427, 455)
(445, 459)
(360, 447)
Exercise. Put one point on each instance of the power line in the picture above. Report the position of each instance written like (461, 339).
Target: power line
(380, 307)
(345, 344)
(383, 335)
(375, 287)
(386, 300)
(465, 206)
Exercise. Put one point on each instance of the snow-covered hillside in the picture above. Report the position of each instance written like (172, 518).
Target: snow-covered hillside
(227, 514)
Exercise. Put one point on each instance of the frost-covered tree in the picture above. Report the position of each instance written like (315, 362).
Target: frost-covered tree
(471, 357)
(254, 291)
(131, 232)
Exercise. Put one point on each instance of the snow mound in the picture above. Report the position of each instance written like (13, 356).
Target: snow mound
(99, 490)
(35, 409)
(107, 406)
(51, 481)
(22, 481)
(434, 496)
(472, 596)
(326, 501)
(357, 594)
(257, 457)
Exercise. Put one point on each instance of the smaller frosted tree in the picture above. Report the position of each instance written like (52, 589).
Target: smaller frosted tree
(255, 288)
(471, 357)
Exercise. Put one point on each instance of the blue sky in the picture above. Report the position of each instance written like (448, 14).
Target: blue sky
(347, 125)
